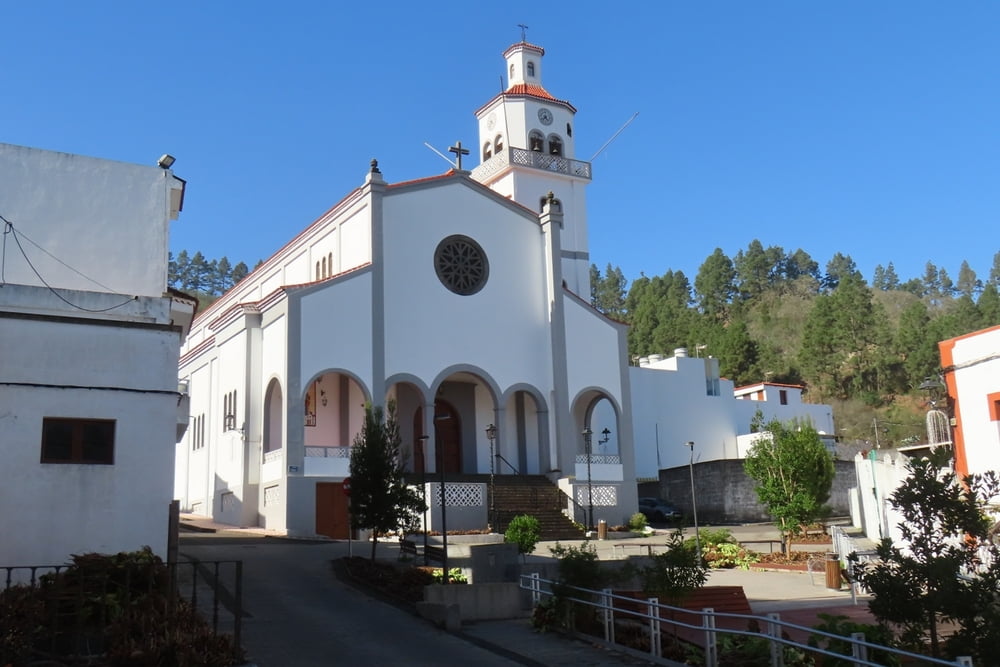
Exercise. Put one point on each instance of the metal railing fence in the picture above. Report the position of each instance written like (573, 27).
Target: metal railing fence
(609, 606)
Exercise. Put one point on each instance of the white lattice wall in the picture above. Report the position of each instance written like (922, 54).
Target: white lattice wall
(604, 496)
(461, 495)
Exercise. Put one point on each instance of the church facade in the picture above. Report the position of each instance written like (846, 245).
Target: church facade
(461, 298)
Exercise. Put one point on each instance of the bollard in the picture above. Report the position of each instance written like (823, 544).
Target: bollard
(833, 571)
(602, 530)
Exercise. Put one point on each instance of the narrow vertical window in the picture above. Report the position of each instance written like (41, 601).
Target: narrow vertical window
(531, 69)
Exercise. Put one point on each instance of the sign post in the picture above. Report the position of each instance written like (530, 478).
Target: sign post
(350, 529)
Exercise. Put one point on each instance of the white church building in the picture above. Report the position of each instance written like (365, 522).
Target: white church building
(461, 297)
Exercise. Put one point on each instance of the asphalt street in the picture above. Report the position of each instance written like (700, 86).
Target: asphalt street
(301, 615)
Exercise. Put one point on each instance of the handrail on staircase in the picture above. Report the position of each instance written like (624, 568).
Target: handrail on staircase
(500, 456)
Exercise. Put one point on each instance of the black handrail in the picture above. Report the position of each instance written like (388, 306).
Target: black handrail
(500, 456)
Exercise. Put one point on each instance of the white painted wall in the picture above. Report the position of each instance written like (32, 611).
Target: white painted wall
(976, 359)
(671, 406)
(503, 328)
(107, 220)
(336, 330)
(54, 510)
(592, 348)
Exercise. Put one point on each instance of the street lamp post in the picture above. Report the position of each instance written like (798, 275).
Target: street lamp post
(587, 435)
(694, 505)
(491, 434)
(422, 440)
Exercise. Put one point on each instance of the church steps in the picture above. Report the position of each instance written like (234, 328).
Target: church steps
(533, 495)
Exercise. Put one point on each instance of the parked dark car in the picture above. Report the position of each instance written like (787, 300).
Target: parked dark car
(658, 510)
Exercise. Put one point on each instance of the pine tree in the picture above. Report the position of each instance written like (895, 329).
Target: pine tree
(381, 501)
(715, 285)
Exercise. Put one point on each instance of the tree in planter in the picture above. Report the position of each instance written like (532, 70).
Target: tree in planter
(524, 531)
(380, 499)
(937, 576)
(794, 474)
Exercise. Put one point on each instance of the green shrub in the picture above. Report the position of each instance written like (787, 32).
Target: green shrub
(675, 572)
(524, 531)
(455, 576)
(579, 567)
(843, 626)
(121, 605)
(729, 555)
(638, 523)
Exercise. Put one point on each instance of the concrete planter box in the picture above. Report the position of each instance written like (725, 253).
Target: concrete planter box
(480, 602)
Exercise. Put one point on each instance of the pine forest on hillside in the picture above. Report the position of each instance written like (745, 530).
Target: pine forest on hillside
(767, 314)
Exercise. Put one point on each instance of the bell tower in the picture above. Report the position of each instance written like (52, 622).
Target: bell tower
(527, 149)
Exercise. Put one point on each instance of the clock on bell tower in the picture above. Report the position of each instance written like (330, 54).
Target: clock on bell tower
(527, 149)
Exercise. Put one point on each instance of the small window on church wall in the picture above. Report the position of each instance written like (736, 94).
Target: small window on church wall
(555, 145)
(329, 262)
(511, 73)
(461, 265)
(498, 144)
(487, 151)
(324, 267)
(531, 68)
(317, 270)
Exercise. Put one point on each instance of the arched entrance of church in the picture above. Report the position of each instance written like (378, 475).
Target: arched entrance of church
(447, 436)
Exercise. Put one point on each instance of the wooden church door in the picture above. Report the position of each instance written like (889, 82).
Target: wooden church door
(447, 436)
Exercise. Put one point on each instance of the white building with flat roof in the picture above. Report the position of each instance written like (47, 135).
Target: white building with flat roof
(681, 399)
(89, 404)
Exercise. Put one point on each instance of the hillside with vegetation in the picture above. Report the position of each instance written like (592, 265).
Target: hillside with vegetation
(769, 314)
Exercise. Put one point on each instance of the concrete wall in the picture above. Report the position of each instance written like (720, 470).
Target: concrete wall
(85, 370)
(106, 220)
(725, 494)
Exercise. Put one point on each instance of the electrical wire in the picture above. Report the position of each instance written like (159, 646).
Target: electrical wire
(9, 228)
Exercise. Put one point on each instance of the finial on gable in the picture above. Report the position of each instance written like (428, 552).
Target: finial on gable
(375, 169)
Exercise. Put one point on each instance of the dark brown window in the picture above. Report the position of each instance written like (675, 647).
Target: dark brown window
(783, 397)
(78, 441)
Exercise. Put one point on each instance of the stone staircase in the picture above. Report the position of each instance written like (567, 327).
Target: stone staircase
(534, 495)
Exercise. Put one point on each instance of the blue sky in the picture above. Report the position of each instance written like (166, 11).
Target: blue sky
(868, 128)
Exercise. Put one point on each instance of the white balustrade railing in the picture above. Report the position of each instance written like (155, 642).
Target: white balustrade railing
(534, 159)
(328, 452)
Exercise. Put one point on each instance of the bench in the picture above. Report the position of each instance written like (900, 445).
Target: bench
(407, 549)
(630, 545)
(436, 554)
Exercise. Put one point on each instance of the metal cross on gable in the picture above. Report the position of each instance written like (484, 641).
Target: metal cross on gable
(459, 152)
(523, 28)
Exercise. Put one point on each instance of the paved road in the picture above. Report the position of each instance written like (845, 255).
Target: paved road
(301, 615)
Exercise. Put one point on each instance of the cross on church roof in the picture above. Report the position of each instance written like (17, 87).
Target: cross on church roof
(523, 29)
(458, 151)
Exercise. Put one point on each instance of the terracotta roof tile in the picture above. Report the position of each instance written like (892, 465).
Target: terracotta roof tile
(529, 89)
(526, 45)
